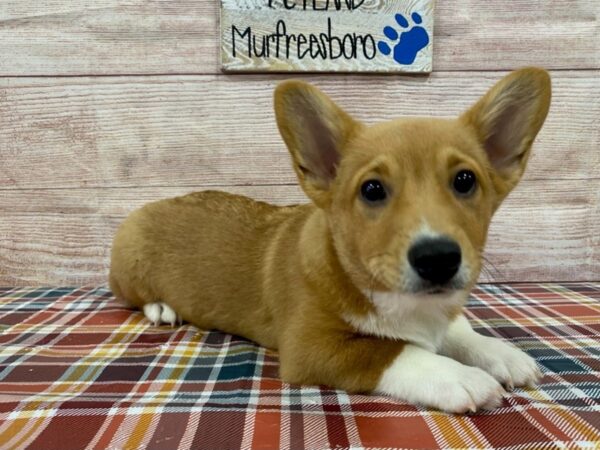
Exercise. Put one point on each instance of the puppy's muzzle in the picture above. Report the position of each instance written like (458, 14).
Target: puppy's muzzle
(435, 260)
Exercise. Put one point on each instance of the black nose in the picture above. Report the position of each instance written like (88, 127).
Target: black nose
(435, 259)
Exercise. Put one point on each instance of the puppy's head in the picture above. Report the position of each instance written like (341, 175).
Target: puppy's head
(409, 202)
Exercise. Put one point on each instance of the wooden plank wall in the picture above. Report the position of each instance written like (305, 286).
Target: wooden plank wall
(107, 105)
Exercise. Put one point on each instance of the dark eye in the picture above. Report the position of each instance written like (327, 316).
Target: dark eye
(373, 191)
(464, 182)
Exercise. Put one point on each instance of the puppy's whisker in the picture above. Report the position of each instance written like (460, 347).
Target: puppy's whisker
(489, 276)
(486, 272)
(490, 269)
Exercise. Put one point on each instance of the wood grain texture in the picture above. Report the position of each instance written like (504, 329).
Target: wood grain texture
(78, 153)
(546, 230)
(72, 37)
(216, 130)
(259, 38)
(81, 37)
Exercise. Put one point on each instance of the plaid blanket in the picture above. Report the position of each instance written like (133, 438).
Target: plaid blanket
(79, 370)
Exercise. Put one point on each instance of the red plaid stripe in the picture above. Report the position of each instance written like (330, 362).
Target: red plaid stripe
(79, 370)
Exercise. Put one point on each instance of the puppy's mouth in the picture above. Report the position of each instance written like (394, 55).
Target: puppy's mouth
(422, 287)
(435, 291)
(438, 290)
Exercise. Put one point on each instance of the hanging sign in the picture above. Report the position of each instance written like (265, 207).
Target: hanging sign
(327, 35)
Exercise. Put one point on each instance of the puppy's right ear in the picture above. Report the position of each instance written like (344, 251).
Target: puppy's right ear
(315, 131)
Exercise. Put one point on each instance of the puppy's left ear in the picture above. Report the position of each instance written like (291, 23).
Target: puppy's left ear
(506, 121)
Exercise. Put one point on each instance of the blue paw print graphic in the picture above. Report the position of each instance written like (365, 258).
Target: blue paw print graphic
(408, 43)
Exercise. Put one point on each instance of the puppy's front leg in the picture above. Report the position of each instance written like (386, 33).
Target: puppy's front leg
(419, 376)
(506, 363)
(397, 369)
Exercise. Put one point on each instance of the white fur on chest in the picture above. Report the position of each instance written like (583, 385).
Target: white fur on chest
(419, 319)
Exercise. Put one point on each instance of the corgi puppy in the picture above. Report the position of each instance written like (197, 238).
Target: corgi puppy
(363, 288)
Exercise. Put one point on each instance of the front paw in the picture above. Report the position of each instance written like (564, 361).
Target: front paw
(509, 365)
(418, 376)
(466, 389)
(506, 363)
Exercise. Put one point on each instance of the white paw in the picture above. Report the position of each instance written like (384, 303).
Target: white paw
(159, 313)
(506, 363)
(419, 376)
(466, 389)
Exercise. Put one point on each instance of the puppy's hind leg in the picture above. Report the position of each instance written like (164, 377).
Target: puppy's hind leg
(159, 313)
(155, 311)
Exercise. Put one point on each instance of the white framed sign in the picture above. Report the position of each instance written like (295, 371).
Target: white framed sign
(327, 35)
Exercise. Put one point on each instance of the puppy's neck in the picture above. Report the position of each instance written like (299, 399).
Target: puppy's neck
(318, 256)
(323, 270)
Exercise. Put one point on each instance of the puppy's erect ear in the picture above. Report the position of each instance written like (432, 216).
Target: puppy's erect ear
(315, 131)
(507, 120)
